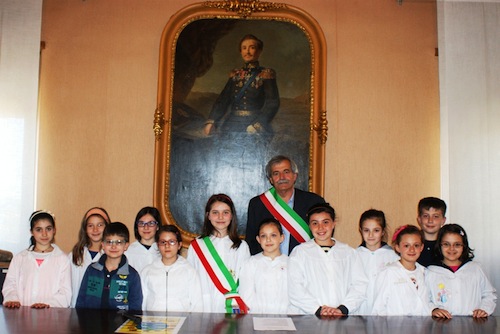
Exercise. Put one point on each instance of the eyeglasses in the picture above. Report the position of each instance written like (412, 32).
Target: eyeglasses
(164, 243)
(150, 223)
(115, 242)
(448, 245)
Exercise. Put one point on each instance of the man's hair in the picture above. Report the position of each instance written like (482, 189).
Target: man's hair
(276, 160)
(431, 202)
(116, 228)
(260, 44)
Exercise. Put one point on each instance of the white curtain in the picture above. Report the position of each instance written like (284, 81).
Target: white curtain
(20, 27)
(469, 71)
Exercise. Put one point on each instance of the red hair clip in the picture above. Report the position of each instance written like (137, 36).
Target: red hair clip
(396, 233)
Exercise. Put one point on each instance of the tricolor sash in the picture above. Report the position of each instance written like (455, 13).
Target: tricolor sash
(294, 223)
(219, 274)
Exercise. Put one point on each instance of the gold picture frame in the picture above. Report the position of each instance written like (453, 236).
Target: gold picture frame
(176, 81)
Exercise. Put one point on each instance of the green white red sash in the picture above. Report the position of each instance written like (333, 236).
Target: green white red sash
(219, 274)
(290, 220)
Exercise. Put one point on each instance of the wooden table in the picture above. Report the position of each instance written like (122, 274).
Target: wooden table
(58, 320)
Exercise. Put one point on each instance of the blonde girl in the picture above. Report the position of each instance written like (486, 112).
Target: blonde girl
(88, 249)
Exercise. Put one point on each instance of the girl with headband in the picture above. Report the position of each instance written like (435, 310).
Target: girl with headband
(40, 275)
(88, 249)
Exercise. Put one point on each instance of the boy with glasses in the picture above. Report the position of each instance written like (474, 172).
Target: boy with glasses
(111, 283)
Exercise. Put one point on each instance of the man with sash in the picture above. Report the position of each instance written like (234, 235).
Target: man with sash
(285, 203)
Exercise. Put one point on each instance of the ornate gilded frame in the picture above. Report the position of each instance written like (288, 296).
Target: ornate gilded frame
(241, 10)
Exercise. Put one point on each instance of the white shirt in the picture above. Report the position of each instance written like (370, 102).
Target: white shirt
(373, 263)
(316, 278)
(213, 300)
(399, 291)
(263, 284)
(77, 272)
(463, 291)
(30, 283)
(171, 288)
(139, 256)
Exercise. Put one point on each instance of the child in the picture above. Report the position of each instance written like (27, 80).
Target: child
(144, 250)
(459, 286)
(431, 217)
(111, 283)
(170, 283)
(263, 278)
(400, 288)
(88, 249)
(375, 253)
(325, 276)
(40, 276)
(217, 255)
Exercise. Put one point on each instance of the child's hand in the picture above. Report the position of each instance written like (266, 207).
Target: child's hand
(328, 311)
(479, 313)
(440, 313)
(12, 304)
(40, 305)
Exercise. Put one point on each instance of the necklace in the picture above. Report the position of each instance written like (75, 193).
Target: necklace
(49, 249)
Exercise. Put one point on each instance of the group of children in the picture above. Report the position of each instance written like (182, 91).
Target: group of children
(322, 276)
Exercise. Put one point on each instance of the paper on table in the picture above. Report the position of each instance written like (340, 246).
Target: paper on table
(273, 324)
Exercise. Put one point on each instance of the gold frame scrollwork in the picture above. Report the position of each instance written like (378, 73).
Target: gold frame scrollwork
(244, 10)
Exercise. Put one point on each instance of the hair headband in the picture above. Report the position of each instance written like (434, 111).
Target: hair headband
(97, 211)
(222, 196)
(398, 231)
(36, 213)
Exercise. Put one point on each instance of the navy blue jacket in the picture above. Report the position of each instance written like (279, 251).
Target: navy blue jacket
(125, 292)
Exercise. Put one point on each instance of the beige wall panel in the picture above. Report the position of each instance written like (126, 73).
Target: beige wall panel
(98, 94)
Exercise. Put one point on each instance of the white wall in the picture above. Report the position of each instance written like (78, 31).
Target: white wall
(469, 70)
(20, 27)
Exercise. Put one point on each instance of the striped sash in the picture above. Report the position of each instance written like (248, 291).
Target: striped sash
(290, 220)
(219, 274)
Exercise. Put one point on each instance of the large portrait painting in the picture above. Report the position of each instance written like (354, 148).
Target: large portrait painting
(211, 140)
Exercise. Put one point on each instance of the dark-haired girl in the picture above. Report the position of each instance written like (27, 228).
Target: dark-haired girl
(458, 285)
(217, 255)
(170, 283)
(374, 252)
(39, 276)
(400, 288)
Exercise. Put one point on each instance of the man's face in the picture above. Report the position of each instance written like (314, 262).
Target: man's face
(249, 50)
(282, 176)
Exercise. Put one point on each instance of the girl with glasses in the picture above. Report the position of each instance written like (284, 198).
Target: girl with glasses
(458, 285)
(144, 250)
(170, 283)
